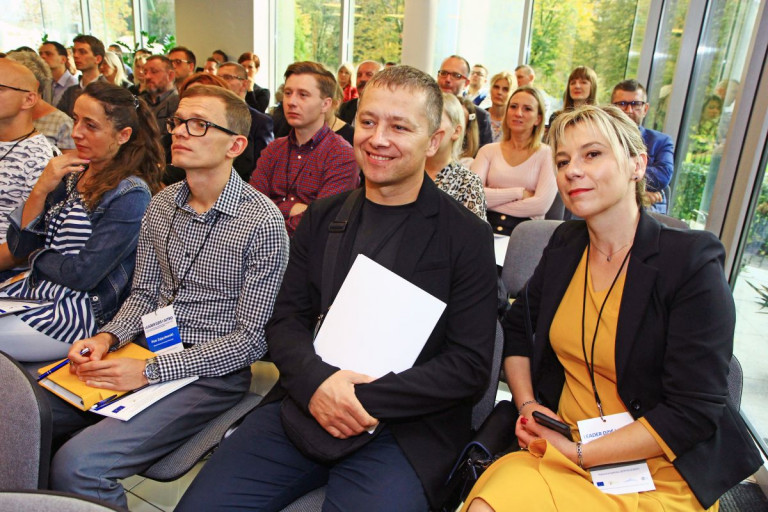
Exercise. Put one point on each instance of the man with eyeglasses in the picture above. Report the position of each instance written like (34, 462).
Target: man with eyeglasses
(260, 134)
(159, 89)
(183, 61)
(630, 96)
(477, 91)
(215, 250)
(24, 152)
(453, 78)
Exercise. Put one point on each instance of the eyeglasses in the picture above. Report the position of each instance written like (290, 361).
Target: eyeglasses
(195, 127)
(456, 76)
(478, 73)
(636, 105)
(3, 86)
(176, 62)
(231, 77)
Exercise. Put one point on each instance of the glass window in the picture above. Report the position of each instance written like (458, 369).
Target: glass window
(158, 23)
(571, 33)
(714, 85)
(664, 61)
(750, 293)
(112, 21)
(378, 30)
(25, 23)
(317, 23)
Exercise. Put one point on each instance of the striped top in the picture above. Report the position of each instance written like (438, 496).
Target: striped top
(70, 317)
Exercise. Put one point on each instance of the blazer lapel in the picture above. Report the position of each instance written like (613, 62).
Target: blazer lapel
(639, 285)
(419, 229)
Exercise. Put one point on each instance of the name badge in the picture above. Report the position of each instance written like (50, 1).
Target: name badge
(621, 478)
(161, 331)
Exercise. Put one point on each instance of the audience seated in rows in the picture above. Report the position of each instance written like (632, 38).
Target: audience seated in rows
(311, 162)
(443, 167)
(24, 151)
(81, 221)
(214, 249)
(518, 172)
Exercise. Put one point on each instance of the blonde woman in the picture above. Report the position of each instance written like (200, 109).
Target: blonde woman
(502, 86)
(443, 167)
(518, 173)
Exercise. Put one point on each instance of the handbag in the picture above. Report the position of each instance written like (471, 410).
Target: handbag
(311, 439)
(495, 438)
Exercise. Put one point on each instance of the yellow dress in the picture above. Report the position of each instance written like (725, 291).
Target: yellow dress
(542, 479)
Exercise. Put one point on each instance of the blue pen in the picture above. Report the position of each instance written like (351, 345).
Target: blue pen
(114, 398)
(62, 364)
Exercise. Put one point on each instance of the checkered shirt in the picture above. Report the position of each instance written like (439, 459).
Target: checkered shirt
(288, 173)
(225, 298)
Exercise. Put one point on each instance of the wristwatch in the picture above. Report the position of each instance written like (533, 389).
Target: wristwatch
(152, 371)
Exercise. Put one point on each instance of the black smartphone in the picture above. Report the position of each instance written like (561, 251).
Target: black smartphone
(553, 424)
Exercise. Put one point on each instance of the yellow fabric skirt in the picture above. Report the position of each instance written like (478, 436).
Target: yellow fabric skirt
(542, 480)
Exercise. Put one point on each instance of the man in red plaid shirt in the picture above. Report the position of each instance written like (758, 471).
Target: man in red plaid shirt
(312, 161)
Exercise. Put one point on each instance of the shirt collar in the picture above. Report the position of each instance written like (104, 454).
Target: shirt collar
(313, 141)
(228, 201)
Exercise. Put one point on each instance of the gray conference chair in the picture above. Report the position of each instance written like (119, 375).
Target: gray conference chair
(25, 429)
(50, 501)
(526, 243)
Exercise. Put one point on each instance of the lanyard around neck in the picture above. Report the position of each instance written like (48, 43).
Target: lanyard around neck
(590, 362)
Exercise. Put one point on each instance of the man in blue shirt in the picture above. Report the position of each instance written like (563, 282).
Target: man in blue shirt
(630, 97)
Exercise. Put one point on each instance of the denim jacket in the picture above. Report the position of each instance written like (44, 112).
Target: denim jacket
(104, 266)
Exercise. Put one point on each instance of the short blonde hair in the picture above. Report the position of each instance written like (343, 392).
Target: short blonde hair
(619, 130)
(452, 108)
(535, 142)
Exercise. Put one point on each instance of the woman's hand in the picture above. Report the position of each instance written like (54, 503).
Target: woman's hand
(55, 171)
(523, 428)
(528, 431)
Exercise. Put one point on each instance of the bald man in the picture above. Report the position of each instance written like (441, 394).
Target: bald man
(365, 72)
(24, 151)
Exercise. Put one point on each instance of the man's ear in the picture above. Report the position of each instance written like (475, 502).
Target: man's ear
(434, 142)
(239, 143)
(327, 104)
(30, 100)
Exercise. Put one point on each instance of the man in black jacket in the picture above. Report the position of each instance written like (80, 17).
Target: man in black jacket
(422, 415)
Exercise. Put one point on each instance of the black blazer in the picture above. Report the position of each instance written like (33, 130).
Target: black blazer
(259, 136)
(448, 252)
(258, 98)
(674, 342)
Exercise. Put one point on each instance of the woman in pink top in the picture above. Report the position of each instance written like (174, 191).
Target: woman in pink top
(518, 173)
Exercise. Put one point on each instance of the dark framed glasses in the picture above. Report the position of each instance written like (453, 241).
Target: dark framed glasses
(195, 127)
(634, 104)
(456, 76)
(3, 86)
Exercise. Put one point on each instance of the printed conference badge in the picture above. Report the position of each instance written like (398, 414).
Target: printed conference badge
(161, 331)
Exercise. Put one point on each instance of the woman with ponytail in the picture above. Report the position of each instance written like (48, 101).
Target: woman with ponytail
(80, 225)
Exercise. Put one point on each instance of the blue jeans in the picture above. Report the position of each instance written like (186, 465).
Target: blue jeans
(258, 468)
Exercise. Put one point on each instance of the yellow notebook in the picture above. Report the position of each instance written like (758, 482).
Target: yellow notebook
(68, 387)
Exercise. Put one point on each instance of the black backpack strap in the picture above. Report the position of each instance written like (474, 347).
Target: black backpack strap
(336, 231)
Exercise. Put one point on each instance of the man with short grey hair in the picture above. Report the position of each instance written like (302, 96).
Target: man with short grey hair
(365, 72)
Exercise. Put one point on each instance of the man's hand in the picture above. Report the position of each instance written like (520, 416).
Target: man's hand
(337, 409)
(121, 374)
(297, 209)
(654, 197)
